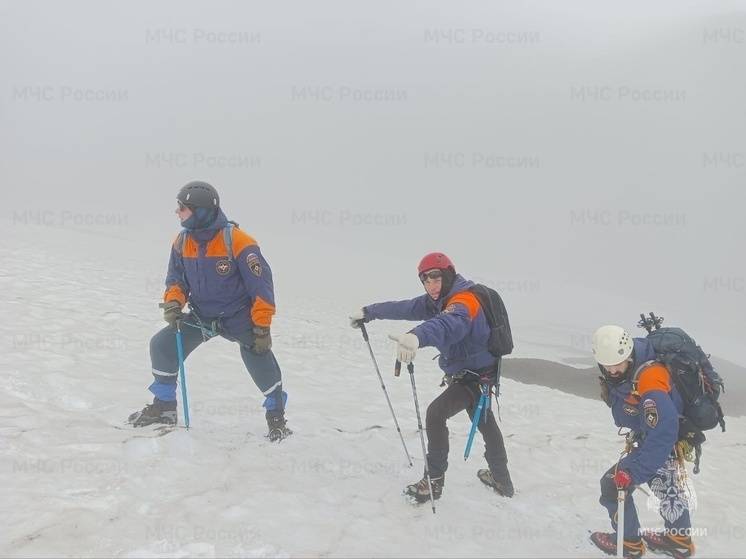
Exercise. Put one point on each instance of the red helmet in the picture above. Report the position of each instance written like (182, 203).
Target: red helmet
(435, 261)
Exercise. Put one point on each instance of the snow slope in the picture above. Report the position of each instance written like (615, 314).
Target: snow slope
(76, 482)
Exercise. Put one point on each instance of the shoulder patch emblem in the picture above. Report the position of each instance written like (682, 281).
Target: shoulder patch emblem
(252, 261)
(449, 308)
(650, 410)
(223, 267)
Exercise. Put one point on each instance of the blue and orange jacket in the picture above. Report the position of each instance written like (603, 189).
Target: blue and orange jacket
(652, 411)
(454, 324)
(215, 285)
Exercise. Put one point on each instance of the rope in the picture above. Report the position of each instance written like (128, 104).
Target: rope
(207, 333)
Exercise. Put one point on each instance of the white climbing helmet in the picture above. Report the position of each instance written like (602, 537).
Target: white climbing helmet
(611, 345)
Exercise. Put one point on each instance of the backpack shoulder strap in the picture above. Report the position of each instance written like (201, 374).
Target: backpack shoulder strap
(180, 241)
(483, 296)
(179, 244)
(228, 238)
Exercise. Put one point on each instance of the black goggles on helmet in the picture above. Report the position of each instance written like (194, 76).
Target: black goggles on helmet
(432, 274)
(182, 205)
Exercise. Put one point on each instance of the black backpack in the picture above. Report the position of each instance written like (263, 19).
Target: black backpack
(691, 371)
(501, 338)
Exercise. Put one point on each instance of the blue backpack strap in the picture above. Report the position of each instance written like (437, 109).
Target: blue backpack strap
(181, 240)
(228, 238)
(179, 244)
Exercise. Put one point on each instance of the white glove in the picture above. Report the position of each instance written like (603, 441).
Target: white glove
(357, 317)
(407, 346)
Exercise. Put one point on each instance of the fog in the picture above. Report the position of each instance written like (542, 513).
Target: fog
(567, 153)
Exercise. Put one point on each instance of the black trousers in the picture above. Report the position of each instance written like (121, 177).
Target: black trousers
(454, 399)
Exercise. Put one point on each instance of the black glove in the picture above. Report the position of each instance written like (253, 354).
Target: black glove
(262, 340)
(172, 312)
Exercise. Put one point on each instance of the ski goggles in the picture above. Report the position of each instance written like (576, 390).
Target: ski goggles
(432, 275)
(182, 206)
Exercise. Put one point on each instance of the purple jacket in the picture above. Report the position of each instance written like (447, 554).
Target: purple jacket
(454, 324)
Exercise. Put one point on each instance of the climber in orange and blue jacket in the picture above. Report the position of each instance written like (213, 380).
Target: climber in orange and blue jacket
(219, 271)
(643, 399)
(454, 323)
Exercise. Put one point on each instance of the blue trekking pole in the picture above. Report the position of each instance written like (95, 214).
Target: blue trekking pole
(182, 373)
(475, 420)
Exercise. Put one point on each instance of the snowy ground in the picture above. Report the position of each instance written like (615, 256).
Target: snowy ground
(75, 482)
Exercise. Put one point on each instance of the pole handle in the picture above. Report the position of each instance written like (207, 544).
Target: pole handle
(397, 368)
(177, 324)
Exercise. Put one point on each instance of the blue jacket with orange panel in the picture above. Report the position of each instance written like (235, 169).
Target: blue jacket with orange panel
(454, 324)
(652, 411)
(216, 285)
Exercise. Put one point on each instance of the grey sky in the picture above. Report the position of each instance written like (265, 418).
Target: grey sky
(576, 147)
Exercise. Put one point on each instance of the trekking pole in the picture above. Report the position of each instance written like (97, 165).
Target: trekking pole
(475, 422)
(385, 392)
(410, 368)
(621, 497)
(182, 373)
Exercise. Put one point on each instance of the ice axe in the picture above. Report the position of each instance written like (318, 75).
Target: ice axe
(182, 372)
